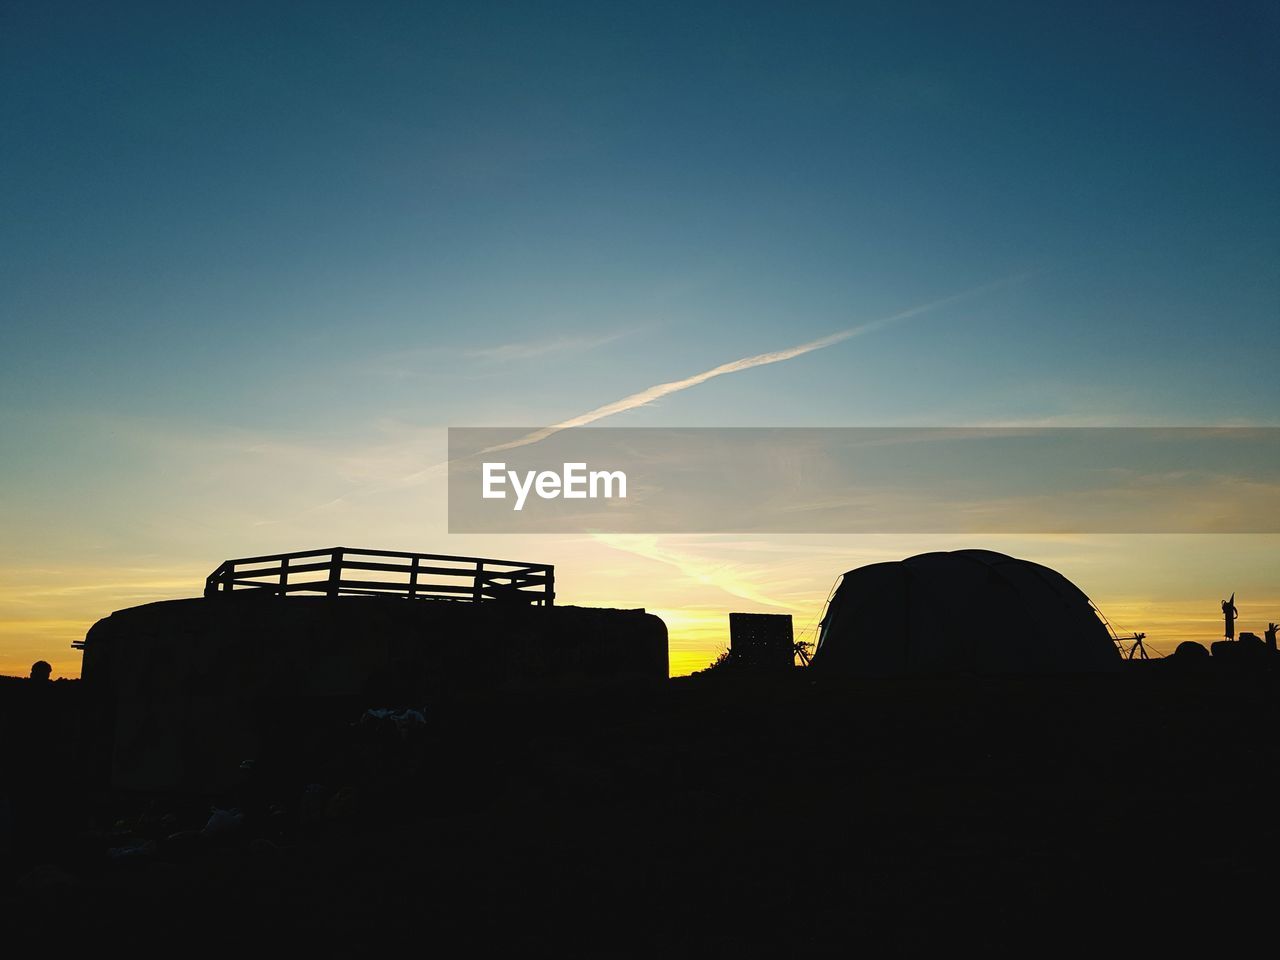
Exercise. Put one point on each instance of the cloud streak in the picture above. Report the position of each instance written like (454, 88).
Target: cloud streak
(729, 577)
(651, 394)
(513, 352)
(654, 393)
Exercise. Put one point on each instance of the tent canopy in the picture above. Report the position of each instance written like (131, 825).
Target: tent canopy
(965, 611)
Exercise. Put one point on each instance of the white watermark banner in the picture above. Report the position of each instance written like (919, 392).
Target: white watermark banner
(864, 480)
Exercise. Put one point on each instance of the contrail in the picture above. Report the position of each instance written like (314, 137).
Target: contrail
(647, 396)
(658, 391)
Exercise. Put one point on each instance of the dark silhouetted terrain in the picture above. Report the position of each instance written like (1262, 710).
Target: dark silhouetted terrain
(716, 815)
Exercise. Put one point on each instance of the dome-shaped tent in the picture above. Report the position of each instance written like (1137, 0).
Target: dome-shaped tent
(967, 611)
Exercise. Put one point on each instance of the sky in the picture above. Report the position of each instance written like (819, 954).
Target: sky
(255, 260)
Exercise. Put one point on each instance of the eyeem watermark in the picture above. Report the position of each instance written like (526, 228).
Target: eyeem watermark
(574, 482)
(997, 480)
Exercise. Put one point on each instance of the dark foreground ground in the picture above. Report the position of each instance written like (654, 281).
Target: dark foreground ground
(717, 815)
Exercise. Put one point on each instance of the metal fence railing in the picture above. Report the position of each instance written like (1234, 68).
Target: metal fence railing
(346, 571)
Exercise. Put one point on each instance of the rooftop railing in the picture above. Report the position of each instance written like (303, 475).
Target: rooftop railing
(346, 571)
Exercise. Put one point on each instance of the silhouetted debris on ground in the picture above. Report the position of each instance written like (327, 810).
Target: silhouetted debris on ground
(727, 812)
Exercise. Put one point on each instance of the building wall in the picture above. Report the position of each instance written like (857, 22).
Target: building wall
(185, 686)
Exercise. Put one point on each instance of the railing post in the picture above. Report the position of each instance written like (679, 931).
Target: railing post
(518, 584)
(335, 572)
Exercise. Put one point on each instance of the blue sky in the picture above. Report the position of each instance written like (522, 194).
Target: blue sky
(321, 226)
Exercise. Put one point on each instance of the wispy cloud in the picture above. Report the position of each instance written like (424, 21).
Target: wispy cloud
(481, 362)
(532, 350)
(723, 575)
(651, 394)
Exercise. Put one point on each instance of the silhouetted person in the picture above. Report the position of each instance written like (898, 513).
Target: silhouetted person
(1271, 636)
(41, 671)
(1229, 614)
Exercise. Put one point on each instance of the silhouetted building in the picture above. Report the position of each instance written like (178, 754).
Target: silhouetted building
(762, 641)
(968, 611)
(185, 685)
